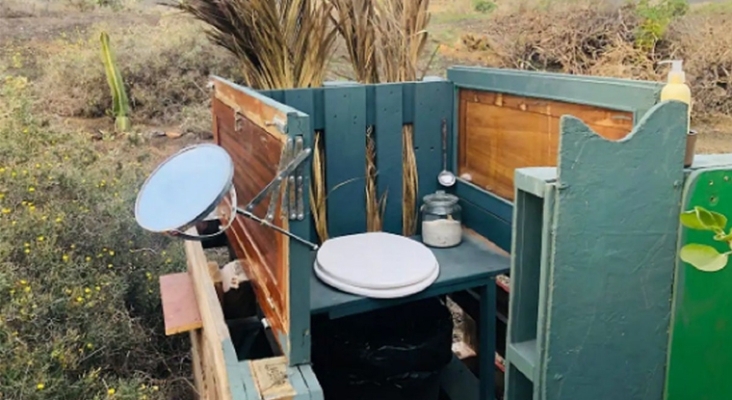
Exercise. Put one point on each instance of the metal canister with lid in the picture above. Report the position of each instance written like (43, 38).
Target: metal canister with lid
(441, 220)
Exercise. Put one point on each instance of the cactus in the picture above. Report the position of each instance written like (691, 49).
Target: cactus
(120, 102)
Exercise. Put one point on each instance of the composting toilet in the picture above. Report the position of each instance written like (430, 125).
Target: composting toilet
(376, 264)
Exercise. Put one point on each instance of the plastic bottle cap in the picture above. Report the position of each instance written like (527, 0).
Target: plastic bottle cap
(677, 70)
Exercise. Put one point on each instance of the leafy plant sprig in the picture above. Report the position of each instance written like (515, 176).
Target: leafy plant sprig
(703, 257)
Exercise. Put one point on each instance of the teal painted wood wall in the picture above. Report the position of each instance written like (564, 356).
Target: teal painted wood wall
(344, 112)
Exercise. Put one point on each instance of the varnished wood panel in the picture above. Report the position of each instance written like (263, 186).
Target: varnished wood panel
(499, 133)
(255, 150)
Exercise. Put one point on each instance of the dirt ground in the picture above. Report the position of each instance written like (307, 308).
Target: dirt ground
(32, 26)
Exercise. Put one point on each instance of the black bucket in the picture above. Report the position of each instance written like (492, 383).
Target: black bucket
(391, 354)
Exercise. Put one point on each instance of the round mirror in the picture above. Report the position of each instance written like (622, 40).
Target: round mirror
(184, 189)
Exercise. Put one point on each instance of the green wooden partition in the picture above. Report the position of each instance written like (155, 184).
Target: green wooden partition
(700, 354)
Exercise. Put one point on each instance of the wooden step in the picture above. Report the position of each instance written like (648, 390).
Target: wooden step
(180, 309)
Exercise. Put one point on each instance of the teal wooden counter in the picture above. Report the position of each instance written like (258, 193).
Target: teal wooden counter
(471, 264)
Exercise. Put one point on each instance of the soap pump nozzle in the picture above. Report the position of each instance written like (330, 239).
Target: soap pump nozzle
(676, 75)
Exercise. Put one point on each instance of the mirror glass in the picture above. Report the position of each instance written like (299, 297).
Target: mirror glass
(184, 188)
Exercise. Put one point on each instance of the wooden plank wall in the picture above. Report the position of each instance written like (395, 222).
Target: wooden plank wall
(256, 154)
(499, 133)
(343, 114)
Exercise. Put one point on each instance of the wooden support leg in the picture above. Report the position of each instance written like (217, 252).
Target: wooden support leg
(487, 341)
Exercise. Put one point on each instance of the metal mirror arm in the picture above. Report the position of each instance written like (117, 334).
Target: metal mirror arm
(249, 215)
(277, 181)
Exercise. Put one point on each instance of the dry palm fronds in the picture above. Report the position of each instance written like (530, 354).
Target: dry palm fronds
(354, 20)
(281, 44)
(385, 40)
(317, 189)
(402, 38)
(375, 205)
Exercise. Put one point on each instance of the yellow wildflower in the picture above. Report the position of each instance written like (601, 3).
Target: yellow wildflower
(6, 211)
(111, 391)
(40, 386)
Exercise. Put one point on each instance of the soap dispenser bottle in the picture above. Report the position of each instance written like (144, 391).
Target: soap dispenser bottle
(676, 88)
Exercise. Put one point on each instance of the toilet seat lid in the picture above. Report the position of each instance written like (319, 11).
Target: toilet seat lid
(376, 260)
(377, 293)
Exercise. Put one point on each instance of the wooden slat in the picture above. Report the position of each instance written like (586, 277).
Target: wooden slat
(215, 333)
(499, 133)
(180, 310)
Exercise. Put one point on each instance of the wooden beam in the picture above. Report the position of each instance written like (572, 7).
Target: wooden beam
(180, 310)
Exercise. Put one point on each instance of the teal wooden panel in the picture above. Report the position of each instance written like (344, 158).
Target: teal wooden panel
(433, 104)
(250, 388)
(311, 381)
(700, 354)
(276, 95)
(345, 159)
(388, 136)
(615, 229)
(487, 224)
(301, 257)
(485, 213)
(237, 378)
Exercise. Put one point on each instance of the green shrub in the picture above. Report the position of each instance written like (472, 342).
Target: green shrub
(484, 6)
(655, 18)
(79, 301)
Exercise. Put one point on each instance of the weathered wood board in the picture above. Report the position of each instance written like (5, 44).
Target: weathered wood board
(499, 133)
(180, 310)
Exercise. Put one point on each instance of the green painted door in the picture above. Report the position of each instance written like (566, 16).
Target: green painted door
(700, 356)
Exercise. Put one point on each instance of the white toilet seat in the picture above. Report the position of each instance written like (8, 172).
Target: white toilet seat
(376, 264)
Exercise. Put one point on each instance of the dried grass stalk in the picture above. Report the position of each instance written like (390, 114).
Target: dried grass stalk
(410, 184)
(375, 205)
(281, 44)
(317, 189)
